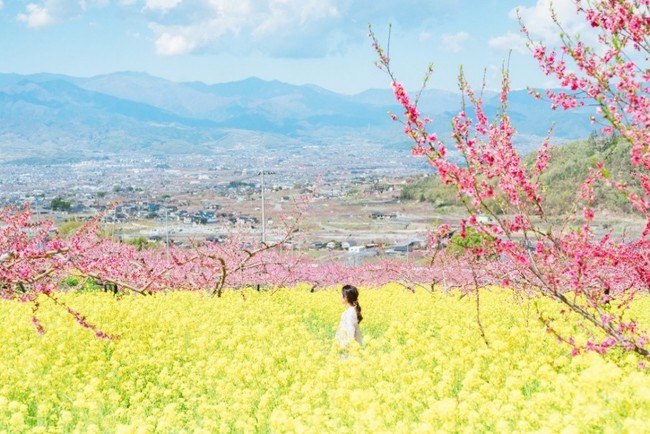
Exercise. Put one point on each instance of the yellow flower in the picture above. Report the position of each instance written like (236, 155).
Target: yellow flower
(17, 421)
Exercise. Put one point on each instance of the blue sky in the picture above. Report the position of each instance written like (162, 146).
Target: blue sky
(322, 42)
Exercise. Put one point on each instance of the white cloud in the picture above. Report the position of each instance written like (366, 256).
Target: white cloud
(1, 4)
(317, 9)
(185, 29)
(173, 45)
(50, 12)
(283, 28)
(509, 41)
(283, 13)
(538, 19)
(161, 5)
(453, 43)
(91, 3)
(36, 16)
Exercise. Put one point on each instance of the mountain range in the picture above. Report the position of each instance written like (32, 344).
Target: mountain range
(49, 117)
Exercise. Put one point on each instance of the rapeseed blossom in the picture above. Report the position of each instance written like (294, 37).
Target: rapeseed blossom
(186, 362)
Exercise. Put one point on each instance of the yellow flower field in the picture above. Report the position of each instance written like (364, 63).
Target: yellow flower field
(189, 363)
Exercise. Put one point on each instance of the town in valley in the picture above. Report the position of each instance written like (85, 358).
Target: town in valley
(336, 203)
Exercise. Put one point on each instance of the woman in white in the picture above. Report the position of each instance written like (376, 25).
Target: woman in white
(351, 317)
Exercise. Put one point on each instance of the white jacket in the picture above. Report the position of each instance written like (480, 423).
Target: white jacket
(349, 327)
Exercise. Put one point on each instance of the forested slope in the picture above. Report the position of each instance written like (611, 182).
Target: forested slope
(568, 167)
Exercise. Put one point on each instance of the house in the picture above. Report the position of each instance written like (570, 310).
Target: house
(485, 220)
(380, 215)
(409, 247)
(317, 245)
(332, 245)
(361, 256)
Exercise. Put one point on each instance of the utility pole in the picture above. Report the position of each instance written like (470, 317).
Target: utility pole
(166, 234)
(263, 216)
(262, 173)
(113, 228)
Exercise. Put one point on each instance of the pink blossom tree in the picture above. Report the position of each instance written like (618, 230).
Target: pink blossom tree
(35, 262)
(594, 277)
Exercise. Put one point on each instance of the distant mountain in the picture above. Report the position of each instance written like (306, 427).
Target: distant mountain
(251, 104)
(51, 115)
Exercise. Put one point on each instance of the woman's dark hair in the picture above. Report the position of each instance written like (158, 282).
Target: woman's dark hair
(351, 295)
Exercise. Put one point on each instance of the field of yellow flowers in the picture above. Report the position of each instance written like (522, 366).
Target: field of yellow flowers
(186, 362)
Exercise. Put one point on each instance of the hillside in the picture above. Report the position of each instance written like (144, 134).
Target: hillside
(568, 167)
(47, 116)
